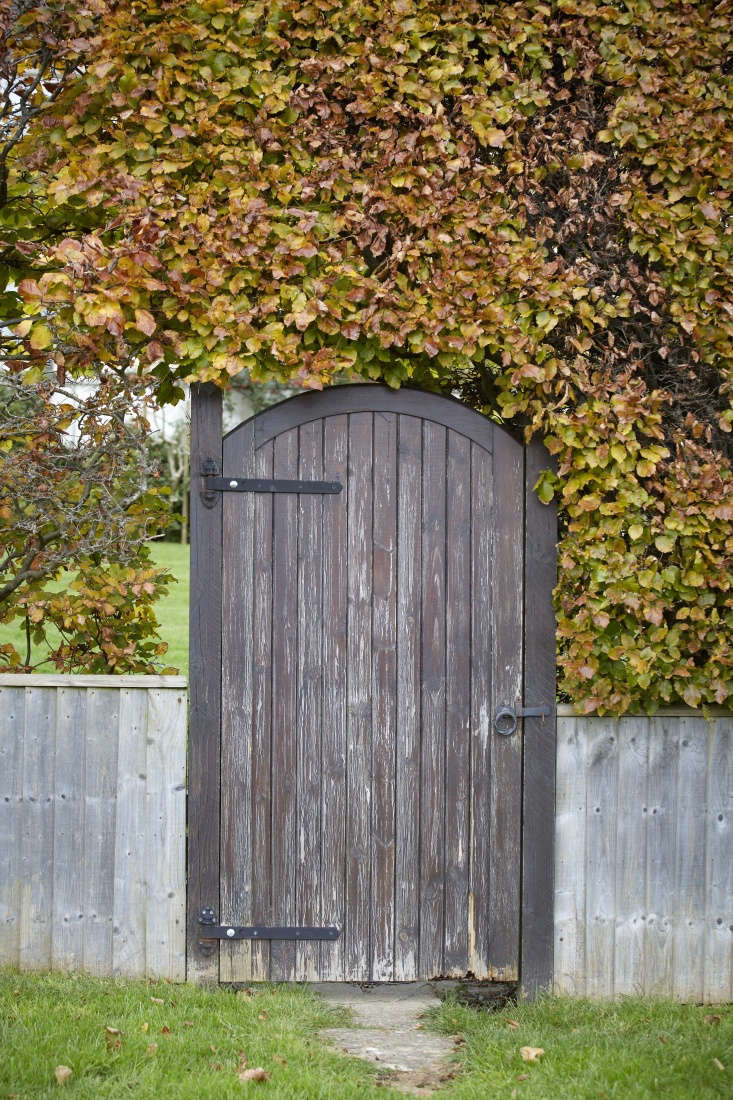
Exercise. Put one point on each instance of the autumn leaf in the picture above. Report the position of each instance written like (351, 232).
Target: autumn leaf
(63, 1074)
(531, 1054)
(255, 1074)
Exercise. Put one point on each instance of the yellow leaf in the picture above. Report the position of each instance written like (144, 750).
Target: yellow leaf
(636, 531)
(145, 321)
(62, 1074)
(531, 1054)
(41, 337)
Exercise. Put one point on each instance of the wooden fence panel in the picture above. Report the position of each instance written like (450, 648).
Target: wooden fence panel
(92, 824)
(643, 876)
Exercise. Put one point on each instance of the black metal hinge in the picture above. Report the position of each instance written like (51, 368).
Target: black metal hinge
(214, 483)
(214, 931)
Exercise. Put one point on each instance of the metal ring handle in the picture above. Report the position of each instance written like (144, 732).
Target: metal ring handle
(500, 718)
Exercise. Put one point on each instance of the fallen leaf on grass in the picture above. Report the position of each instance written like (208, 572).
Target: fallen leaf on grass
(712, 1018)
(459, 1040)
(262, 1015)
(165, 1030)
(112, 1030)
(62, 1074)
(187, 1023)
(717, 1062)
(512, 1024)
(523, 1077)
(531, 1054)
(151, 1048)
(256, 1074)
(662, 1039)
(157, 1000)
(144, 1025)
(280, 1059)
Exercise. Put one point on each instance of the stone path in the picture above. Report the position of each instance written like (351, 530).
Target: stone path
(388, 1033)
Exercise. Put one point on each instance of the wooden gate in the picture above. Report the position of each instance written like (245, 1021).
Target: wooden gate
(371, 584)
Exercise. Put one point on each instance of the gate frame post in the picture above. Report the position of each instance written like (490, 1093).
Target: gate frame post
(537, 927)
(204, 724)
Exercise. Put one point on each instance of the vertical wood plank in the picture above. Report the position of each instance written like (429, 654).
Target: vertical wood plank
(540, 734)
(68, 920)
(661, 856)
(719, 869)
(601, 811)
(458, 703)
(236, 728)
(36, 871)
(359, 702)
(100, 778)
(12, 725)
(165, 825)
(284, 706)
(631, 855)
(204, 739)
(333, 793)
(384, 695)
(261, 797)
(692, 819)
(482, 510)
(409, 572)
(432, 756)
(131, 841)
(570, 864)
(309, 716)
(507, 681)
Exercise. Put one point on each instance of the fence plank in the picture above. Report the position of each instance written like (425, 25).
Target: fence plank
(719, 869)
(36, 910)
(692, 820)
(68, 919)
(601, 815)
(12, 725)
(166, 829)
(131, 842)
(661, 857)
(570, 866)
(100, 777)
(631, 853)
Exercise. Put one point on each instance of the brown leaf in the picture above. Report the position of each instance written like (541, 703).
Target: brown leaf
(112, 1030)
(712, 1018)
(512, 1024)
(187, 1023)
(523, 1077)
(256, 1074)
(62, 1074)
(278, 1058)
(531, 1054)
(165, 1030)
(157, 1000)
(262, 1015)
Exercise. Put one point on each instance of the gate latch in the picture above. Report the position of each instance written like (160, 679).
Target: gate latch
(213, 931)
(506, 718)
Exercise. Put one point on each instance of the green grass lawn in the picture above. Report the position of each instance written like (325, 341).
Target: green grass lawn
(151, 1040)
(171, 610)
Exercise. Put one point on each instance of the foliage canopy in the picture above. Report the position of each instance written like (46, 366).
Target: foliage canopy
(525, 203)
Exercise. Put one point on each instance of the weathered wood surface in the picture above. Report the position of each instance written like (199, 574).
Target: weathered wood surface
(363, 784)
(92, 826)
(643, 867)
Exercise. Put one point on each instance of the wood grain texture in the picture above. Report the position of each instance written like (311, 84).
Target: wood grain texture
(204, 726)
(432, 758)
(333, 792)
(482, 702)
(540, 734)
(68, 917)
(131, 841)
(507, 682)
(36, 837)
(407, 765)
(309, 724)
(12, 727)
(384, 696)
(357, 915)
(236, 711)
(262, 687)
(457, 703)
(643, 891)
(94, 828)
(284, 707)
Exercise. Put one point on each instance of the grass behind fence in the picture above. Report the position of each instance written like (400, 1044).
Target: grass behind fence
(171, 610)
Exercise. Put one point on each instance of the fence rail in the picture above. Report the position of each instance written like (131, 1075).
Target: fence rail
(92, 824)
